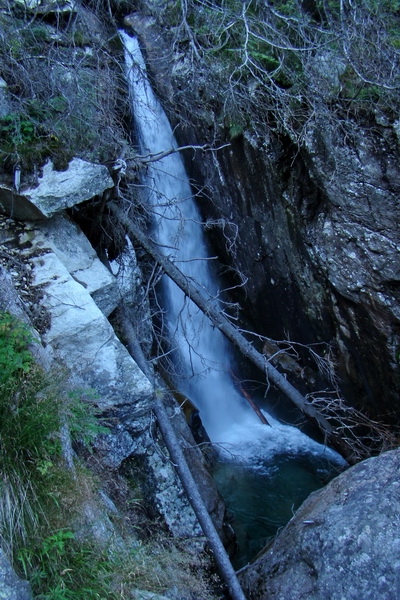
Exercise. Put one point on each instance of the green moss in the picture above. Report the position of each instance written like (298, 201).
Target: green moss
(235, 130)
(79, 39)
(288, 8)
(35, 36)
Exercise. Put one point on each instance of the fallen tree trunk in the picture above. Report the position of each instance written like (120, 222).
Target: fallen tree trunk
(222, 561)
(214, 313)
(221, 558)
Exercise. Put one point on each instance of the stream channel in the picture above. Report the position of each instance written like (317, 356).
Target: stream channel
(263, 473)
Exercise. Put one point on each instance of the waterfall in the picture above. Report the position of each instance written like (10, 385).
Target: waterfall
(202, 351)
(202, 354)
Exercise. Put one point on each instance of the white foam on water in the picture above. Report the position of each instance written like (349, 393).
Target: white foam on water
(254, 443)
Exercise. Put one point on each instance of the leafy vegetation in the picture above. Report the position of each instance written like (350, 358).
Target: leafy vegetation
(32, 407)
(14, 355)
(34, 479)
(60, 569)
(41, 497)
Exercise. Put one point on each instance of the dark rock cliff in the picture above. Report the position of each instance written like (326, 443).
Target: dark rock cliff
(317, 239)
(311, 222)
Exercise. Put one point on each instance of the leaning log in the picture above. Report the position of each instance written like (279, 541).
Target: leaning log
(220, 556)
(216, 316)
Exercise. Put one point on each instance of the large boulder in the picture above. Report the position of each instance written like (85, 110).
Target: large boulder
(81, 337)
(342, 544)
(63, 237)
(56, 190)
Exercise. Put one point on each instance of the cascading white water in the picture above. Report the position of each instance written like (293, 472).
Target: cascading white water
(204, 353)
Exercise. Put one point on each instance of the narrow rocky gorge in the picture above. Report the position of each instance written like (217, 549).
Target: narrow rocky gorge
(306, 229)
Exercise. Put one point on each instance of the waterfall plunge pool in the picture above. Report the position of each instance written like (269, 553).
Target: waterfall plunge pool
(261, 498)
(264, 473)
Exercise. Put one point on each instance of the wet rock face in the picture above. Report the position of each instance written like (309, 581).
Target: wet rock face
(343, 542)
(313, 228)
(317, 238)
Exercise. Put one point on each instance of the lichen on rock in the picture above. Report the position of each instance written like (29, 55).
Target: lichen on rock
(343, 542)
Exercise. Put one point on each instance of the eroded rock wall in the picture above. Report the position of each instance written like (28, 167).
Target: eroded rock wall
(312, 225)
(317, 238)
